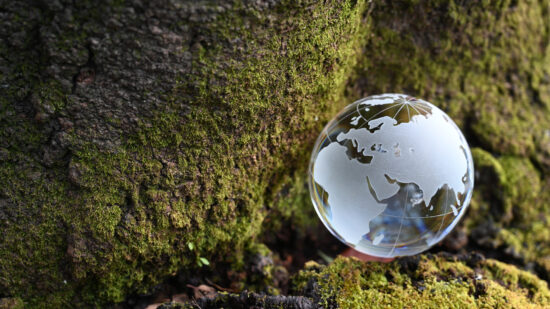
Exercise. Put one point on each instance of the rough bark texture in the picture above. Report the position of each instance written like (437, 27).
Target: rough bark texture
(137, 137)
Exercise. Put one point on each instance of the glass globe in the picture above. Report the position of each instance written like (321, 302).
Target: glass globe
(391, 175)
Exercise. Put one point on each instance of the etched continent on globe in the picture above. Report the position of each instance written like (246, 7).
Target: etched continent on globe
(391, 175)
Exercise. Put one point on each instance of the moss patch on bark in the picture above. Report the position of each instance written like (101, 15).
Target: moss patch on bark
(140, 160)
(488, 66)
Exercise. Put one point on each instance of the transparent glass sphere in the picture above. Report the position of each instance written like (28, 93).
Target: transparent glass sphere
(391, 175)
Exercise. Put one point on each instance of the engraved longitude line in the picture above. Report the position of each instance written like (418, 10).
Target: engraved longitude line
(367, 120)
(421, 107)
(419, 104)
(408, 112)
(332, 126)
(320, 196)
(398, 111)
(401, 225)
(446, 209)
(328, 136)
(385, 109)
(423, 217)
(358, 112)
(416, 110)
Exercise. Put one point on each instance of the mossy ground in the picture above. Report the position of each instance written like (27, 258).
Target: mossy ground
(422, 282)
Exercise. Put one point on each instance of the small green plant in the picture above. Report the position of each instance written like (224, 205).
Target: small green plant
(201, 261)
(328, 259)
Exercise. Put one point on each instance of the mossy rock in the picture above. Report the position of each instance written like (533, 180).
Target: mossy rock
(424, 281)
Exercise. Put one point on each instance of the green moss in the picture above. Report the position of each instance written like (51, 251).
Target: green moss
(481, 63)
(475, 60)
(291, 203)
(229, 144)
(202, 169)
(490, 188)
(487, 65)
(424, 282)
(224, 155)
(511, 200)
(11, 303)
